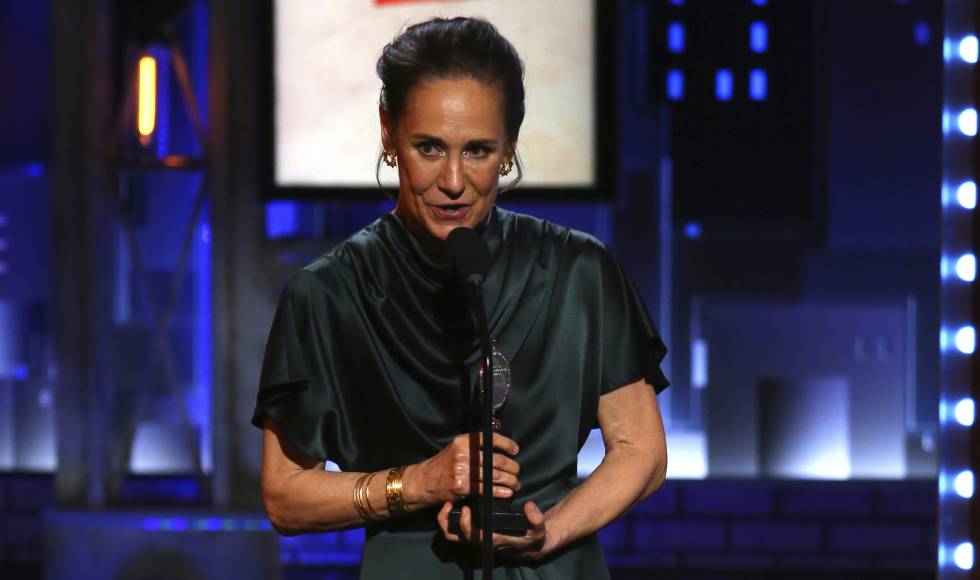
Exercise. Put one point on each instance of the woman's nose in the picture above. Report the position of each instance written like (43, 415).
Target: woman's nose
(451, 179)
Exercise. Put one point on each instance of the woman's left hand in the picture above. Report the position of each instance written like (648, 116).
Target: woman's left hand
(538, 542)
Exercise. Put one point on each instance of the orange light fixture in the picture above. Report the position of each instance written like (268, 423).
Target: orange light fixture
(146, 112)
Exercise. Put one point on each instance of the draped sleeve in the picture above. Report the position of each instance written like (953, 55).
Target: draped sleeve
(631, 346)
(297, 390)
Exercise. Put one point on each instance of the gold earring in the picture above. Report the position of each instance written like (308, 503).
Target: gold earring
(506, 165)
(390, 159)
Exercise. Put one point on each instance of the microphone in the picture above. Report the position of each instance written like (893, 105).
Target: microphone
(469, 255)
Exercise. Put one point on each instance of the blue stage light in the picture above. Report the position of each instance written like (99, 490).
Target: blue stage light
(281, 219)
(675, 85)
(965, 412)
(966, 195)
(692, 230)
(677, 2)
(759, 37)
(966, 267)
(699, 363)
(968, 49)
(20, 372)
(921, 33)
(963, 556)
(963, 484)
(675, 37)
(758, 85)
(965, 340)
(724, 86)
(967, 122)
(760, 2)
(34, 170)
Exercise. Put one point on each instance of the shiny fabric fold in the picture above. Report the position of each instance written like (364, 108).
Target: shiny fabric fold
(371, 357)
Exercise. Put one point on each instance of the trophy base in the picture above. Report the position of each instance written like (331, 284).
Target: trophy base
(506, 520)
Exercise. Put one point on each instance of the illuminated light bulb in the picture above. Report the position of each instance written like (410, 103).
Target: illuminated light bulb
(758, 37)
(147, 105)
(966, 267)
(967, 122)
(675, 37)
(724, 85)
(757, 85)
(963, 484)
(963, 556)
(966, 195)
(675, 85)
(965, 412)
(965, 340)
(968, 49)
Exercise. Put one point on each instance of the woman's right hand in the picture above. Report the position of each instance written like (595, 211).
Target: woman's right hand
(445, 477)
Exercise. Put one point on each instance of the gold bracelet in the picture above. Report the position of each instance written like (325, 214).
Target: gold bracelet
(359, 498)
(393, 491)
(367, 497)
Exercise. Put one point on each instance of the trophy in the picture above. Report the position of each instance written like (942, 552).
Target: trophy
(506, 519)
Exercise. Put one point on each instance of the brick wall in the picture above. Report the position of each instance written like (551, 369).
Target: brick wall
(859, 528)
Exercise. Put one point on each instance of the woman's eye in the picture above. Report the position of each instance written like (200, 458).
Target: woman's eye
(427, 149)
(478, 151)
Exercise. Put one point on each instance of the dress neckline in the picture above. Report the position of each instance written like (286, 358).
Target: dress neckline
(403, 241)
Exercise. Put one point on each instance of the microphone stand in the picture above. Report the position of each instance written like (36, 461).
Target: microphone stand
(474, 287)
(471, 258)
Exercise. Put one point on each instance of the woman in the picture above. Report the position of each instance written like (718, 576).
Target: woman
(371, 354)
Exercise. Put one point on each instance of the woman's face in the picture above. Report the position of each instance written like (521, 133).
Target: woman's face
(450, 141)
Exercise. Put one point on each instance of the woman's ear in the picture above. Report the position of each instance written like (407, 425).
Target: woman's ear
(386, 129)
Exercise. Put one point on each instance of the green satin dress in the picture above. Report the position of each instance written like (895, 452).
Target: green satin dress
(371, 359)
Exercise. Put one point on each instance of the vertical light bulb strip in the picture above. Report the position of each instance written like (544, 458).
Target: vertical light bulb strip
(958, 333)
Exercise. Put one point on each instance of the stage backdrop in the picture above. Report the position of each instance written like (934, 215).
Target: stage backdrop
(325, 127)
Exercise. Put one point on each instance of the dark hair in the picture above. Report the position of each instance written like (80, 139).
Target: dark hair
(452, 48)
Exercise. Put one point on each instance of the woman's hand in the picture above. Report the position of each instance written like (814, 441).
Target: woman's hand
(446, 477)
(539, 541)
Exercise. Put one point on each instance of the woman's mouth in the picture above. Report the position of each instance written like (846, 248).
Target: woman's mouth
(450, 211)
